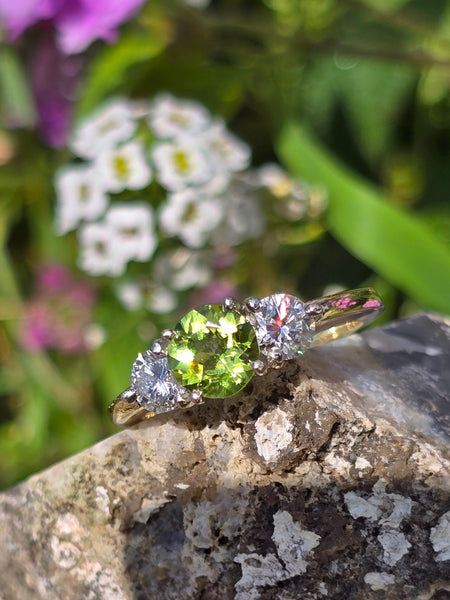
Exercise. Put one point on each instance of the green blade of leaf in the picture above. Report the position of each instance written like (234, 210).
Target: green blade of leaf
(393, 243)
(15, 94)
(108, 70)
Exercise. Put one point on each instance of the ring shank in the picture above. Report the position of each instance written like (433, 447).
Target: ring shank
(126, 412)
(343, 313)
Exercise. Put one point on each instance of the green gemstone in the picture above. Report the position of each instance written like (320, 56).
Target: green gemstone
(213, 351)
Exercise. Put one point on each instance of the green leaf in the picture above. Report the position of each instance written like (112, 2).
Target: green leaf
(386, 5)
(16, 100)
(374, 94)
(393, 243)
(109, 69)
(319, 91)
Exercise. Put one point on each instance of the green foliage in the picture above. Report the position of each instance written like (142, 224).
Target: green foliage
(390, 241)
(108, 72)
(373, 95)
(17, 106)
(386, 5)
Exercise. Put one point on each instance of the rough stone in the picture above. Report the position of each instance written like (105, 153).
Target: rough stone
(329, 479)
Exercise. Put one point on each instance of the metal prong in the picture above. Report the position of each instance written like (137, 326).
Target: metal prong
(260, 366)
(181, 400)
(129, 395)
(168, 334)
(157, 348)
(313, 309)
(229, 303)
(196, 396)
(253, 303)
(275, 358)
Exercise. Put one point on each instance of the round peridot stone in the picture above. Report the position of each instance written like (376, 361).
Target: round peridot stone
(213, 351)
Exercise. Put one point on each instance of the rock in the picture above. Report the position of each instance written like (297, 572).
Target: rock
(329, 479)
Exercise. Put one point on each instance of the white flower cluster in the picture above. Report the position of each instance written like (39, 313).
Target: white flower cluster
(190, 154)
(196, 160)
(165, 168)
(110, 234)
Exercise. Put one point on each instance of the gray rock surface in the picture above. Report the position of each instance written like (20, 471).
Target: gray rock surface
(329, 479)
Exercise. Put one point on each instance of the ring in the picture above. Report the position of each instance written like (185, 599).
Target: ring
(216, 349)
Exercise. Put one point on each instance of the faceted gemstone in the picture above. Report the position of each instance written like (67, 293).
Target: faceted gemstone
(213, 351)
(281, 326)
(156, 388)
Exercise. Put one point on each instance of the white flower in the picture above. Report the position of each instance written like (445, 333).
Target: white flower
(216, 185)
(292, 194)
(183, 269)
(171, 117)
(317, 202)
(181, 164)
(129, 294)
(243, 218)
(95, 336)
(161, 300)
(124, 167)
(99, 255)
(280, 183)
(133, 230)
(140, 108)
(156, 298)
(80, 196)
(125, 234)
(190, 216)
(111, 124)
(227, 150)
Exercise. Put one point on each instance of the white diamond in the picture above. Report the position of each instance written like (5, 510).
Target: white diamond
(281, 326)
(156, 388)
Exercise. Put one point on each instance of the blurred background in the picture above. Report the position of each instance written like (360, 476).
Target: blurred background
(159, 155)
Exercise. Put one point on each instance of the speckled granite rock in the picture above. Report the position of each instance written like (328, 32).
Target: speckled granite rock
(328, 480)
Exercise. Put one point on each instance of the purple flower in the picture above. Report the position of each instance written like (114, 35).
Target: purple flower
(17, 15)
(214, 293)
(54, 79)
(83, 21)
(58, 313)
(77, 22)
(70, 27)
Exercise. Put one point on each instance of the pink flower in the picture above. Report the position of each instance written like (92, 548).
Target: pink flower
(58, 313)
(77, 22)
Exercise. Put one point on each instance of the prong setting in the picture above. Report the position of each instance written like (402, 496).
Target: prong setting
(230, 303)
(253, 303)
(168, 334)
(196, 396)
(313, 309)
(157, 348)
(260, 366)
(129, 395)
(181, 400)
(275, 358)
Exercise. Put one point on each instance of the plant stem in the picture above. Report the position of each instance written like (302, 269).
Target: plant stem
(398, 21)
